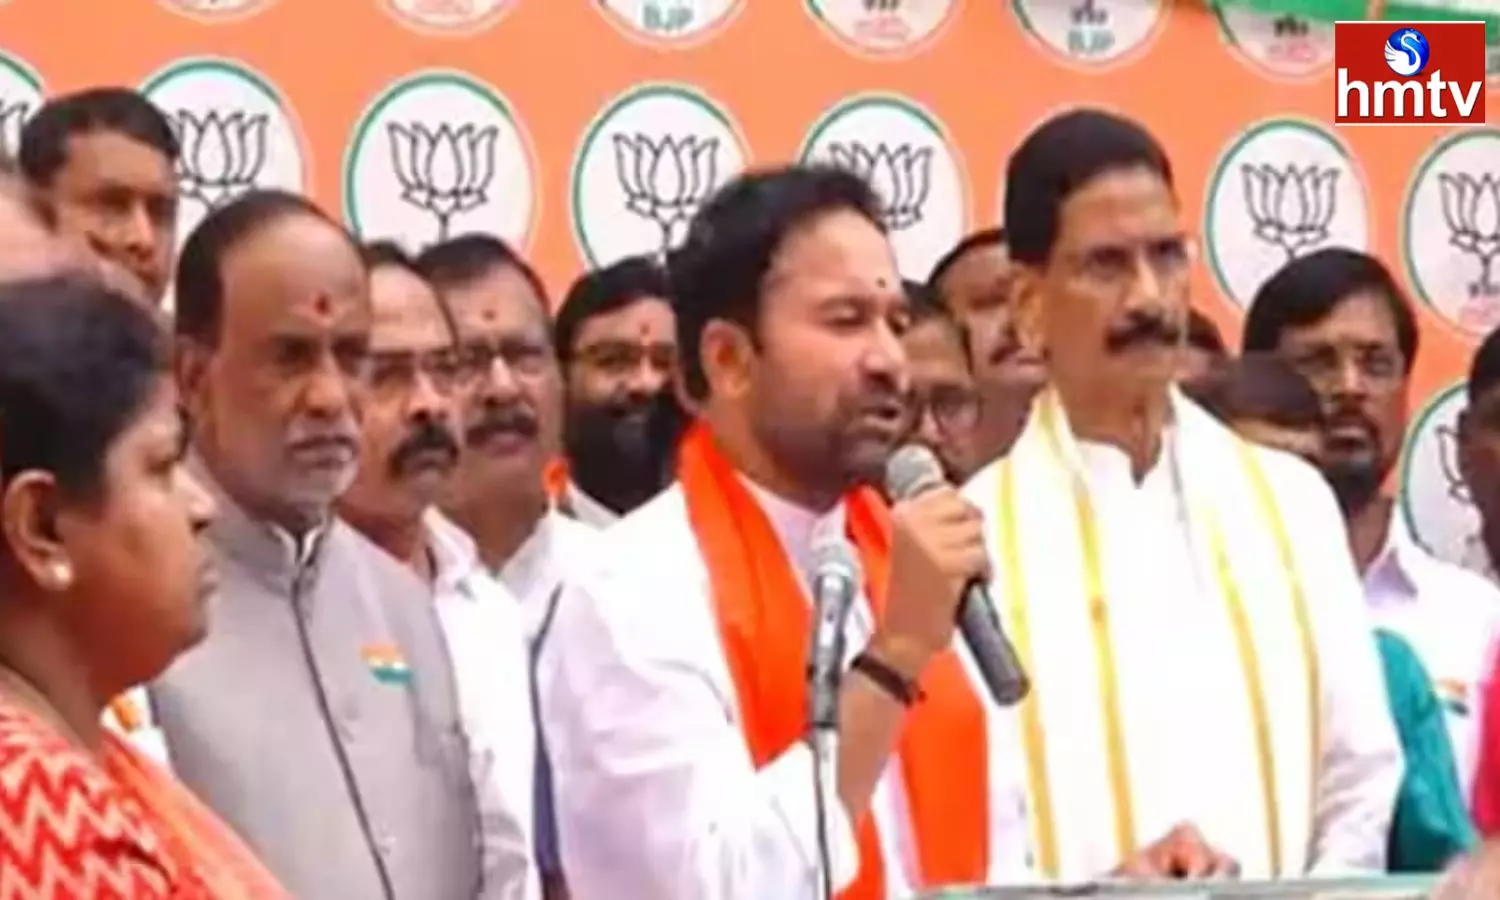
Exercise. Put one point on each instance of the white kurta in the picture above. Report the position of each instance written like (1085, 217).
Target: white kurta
(1144, 711)
(1451, 618)
(557, 545)
(486, 638)
(656, 792)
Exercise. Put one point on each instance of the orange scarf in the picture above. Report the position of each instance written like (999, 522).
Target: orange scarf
(194, 836)
(555, 478)
(764, 625)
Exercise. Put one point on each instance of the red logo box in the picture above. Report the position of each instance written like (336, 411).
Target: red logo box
(1409, 73)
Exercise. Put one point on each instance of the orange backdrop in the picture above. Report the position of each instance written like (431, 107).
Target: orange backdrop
(587, 129)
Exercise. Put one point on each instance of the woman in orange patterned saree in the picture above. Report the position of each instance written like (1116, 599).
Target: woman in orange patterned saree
(102, 585)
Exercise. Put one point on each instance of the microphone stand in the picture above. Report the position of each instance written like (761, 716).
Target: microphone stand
(824, 676)
(835, 584)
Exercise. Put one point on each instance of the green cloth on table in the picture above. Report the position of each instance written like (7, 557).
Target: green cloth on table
(1431, 824)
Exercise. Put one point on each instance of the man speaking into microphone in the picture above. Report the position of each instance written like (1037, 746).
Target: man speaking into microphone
(1206, 698)
(676, 714)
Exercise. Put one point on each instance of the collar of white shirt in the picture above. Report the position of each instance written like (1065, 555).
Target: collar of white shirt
(455, 556)
(588, 510)
(799, 529)
(1401, 565)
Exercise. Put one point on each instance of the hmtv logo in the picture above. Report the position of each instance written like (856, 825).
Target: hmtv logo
(1412, 73)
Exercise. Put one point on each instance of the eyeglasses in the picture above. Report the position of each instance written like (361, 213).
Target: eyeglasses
(1324, 367)
(954, 409)
(521, 355)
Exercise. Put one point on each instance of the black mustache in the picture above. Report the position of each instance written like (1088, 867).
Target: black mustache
(1141, 330)
(501, 420)
(428, 437)
(1346, 417)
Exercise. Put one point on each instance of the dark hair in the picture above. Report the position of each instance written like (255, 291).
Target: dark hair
(1484, 368)
(45, 136)
(1260, 386)
(1308, 289)
(78, 362)
(387, 253)
(718, 272)
(603, 291)
(926, 305)
(461, 260)
(978, 240)
(1204, 335)
(1061, 156)
(199, 288)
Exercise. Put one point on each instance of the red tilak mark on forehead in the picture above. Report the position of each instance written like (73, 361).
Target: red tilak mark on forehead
(323, 304)
(487, 315)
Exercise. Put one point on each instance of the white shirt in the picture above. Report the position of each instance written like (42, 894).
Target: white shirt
(1186, 723)
(657, 795)
(1451, 617)
(586, 509)
(487, 648)
(557, 545)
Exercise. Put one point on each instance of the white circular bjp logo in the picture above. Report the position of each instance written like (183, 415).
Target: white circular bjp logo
(1283, 45)
(645, 166)
(236, 133)
(1434, 498)
(438, 154)
(1091, 33)
(882, 27)
(1282, 189)
(216, 10)
(447, 16)
(1451, 231)
(905, 154)
(670, 22)
(21, 93)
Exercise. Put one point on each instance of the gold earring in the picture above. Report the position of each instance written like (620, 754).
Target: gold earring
(60, 574)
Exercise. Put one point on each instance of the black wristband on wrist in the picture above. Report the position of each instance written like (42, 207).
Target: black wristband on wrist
(887, 679)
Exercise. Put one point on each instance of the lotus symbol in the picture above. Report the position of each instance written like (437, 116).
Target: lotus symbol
(1471, 207)
(12, 116)
(901, 176)
(1291, 207)
(666, 178)
(669, 16)
(1458, 488)
(222, 153)
(445, 171)
(1089, 13)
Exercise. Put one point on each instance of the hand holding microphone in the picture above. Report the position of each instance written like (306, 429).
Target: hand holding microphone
(939, 569)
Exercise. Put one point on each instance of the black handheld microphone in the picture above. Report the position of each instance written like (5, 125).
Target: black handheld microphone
(913, 470)
(836, 580)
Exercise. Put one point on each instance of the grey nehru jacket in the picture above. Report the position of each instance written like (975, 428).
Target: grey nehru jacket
(257, 716)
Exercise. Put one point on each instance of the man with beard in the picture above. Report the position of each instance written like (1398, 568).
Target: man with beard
(1339, 317)
(675, 716)
(409, 450)
(102, 161)
(1206, 699)
(615, 341)
(319, 717)
(974, 281)
(945, 406)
